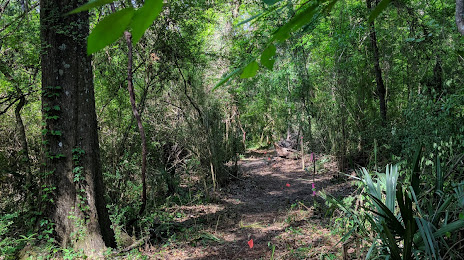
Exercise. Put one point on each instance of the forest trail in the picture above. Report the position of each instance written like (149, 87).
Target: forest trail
(273, 204)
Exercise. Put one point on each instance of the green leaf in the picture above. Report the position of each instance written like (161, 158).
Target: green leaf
(371, 250)
(251, 18)
(404, 207)
(266, 56)
(452, 227)
(408, 220)
(90, 5)
(460, 53)
(305, 16)
(250, 70)
(109, 30)
(271, 2)
(144, 17)
(57, 132)
(390, 219)
(408, 239)
(329, 7)
(427, 237)
(226, 78)
(394, 249)
(391, 179)
(370, 184)
(444, 206)
(378, 10)
(299, 20)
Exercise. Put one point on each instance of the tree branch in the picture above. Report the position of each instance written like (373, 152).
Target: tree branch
(9, 105)
(200, 114)
(21, 16)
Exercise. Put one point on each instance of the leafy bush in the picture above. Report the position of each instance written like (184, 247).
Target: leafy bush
(8, 244)
(402, 220)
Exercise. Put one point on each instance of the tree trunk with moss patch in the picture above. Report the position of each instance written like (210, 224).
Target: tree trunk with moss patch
(74, 192)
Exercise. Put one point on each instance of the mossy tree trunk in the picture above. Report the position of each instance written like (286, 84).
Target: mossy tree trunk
(72, 156)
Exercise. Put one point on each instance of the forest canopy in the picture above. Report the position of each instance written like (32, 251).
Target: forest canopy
(113, 114)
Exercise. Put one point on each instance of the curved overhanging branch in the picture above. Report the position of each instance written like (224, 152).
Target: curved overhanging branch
(459, 16)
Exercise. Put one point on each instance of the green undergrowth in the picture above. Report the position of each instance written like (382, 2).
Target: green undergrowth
(410, 211)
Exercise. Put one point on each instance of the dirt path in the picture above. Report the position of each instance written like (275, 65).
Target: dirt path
(273, 204)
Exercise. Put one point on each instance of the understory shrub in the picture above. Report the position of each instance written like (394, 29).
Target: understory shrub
(406, 213)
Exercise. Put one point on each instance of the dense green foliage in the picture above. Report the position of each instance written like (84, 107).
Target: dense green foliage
(215, 77)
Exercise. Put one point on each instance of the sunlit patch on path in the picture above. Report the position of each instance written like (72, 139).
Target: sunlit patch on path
(271, 210)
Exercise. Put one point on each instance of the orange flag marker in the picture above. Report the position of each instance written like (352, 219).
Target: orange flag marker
(250, 243)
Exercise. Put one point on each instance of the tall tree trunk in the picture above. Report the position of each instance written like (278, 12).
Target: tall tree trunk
(378, 72)
(30, 188)
(459, 16)
(136, 114)
(72, 155)
(22, 132)
(306, 92)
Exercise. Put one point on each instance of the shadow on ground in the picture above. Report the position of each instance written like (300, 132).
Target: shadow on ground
(273, 204)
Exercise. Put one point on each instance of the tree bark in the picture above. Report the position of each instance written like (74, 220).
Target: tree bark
(130, 88)
(378, 72)
(459, 16)
(30, 188)
(22, 132)
(75, 192)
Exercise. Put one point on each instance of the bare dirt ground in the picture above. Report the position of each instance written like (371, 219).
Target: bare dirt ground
(272, 203)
